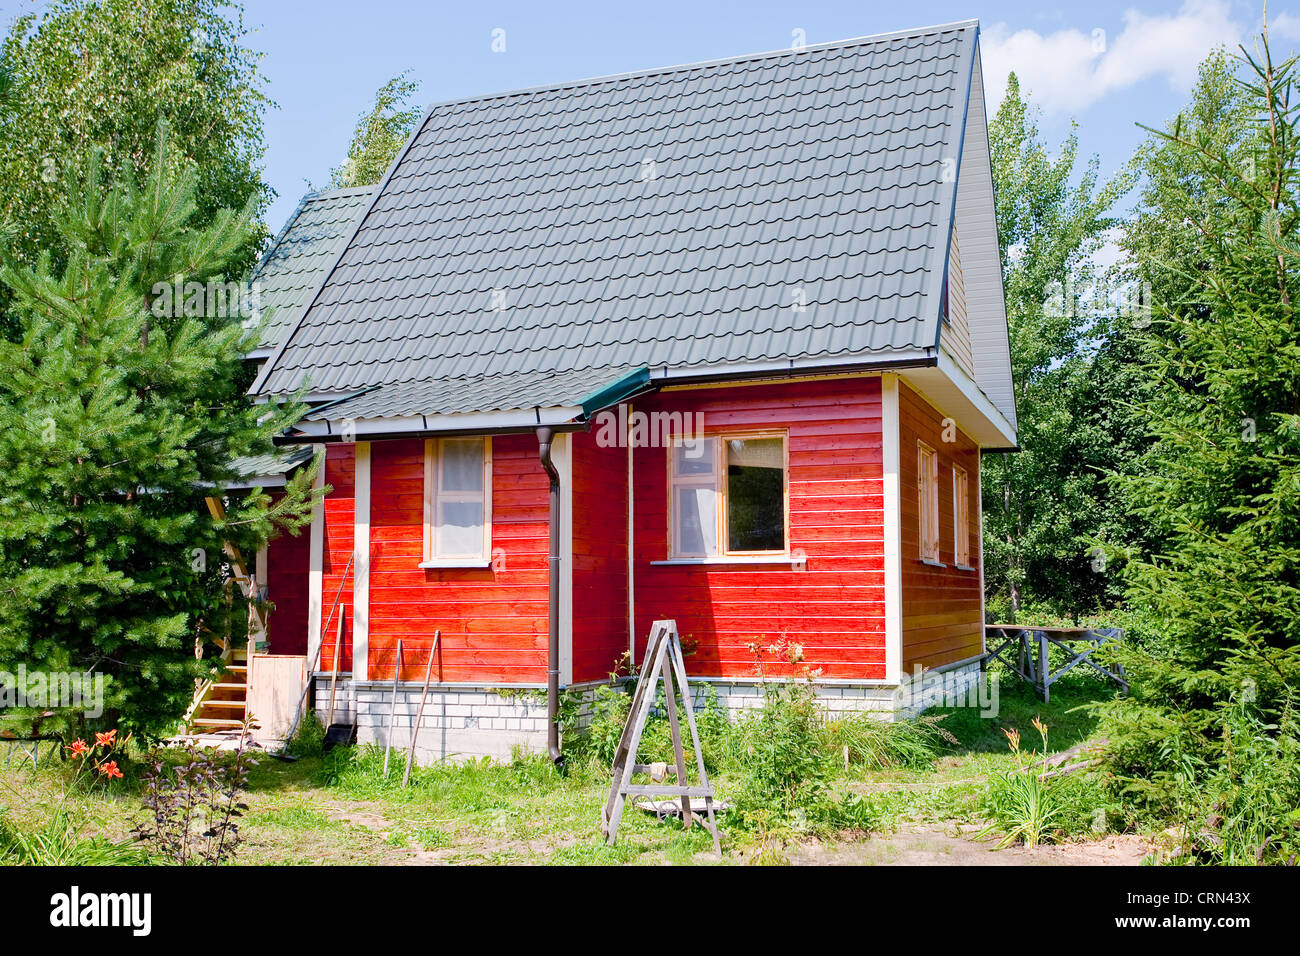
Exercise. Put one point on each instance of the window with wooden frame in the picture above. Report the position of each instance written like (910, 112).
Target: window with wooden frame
(727, 496)
(457, 501)
(960, 517)
(927, 484)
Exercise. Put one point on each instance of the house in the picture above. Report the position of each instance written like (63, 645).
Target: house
(721, 342)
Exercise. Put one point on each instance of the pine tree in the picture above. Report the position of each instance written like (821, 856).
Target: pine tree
(117, 416)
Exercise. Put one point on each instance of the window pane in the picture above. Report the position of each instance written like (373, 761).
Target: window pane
(462, 465)
(756, 494)
(460, 528)
(696, 458)
(697, 521)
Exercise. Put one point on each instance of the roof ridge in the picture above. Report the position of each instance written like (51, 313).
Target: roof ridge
(846, 43)
(316, 194)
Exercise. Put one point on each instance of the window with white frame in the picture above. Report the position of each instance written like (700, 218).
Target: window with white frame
(927, 482)
(727, 496)
(457, 500)
(960, 516)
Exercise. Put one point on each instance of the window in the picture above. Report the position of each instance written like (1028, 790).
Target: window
(727, 496)
(960, 517)
(457, 500)
(927, 482)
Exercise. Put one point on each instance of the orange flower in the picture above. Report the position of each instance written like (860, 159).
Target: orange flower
(78, 748)
(109, 769)
(106, 740)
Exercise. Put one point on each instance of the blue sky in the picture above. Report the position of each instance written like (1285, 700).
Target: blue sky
(324, 60)
(1105, 64)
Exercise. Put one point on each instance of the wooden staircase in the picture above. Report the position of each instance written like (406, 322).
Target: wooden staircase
(223, 702)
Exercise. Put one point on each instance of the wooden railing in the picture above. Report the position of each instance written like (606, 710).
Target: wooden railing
(1031, 661)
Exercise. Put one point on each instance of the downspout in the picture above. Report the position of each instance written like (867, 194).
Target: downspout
(544, 438)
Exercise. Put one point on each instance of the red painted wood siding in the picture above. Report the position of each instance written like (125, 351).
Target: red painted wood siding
(599, 557)
(493, 620)
(941, 606)
(288, 560)
(835, 608)
(339, 535)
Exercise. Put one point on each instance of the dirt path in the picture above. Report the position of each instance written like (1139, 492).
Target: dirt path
(938, 846)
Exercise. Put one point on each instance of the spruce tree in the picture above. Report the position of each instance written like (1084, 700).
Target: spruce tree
(1220, 484)
(119, 412)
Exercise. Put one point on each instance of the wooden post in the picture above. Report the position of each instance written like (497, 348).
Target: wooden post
(392, 707)
(334, 668)
(419, 716)
(1044, 685)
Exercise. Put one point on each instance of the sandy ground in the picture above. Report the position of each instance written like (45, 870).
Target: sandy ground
(951, 846)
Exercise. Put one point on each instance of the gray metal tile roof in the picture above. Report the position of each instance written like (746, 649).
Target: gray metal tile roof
(306, 247)
(785, 206)
(250, 470)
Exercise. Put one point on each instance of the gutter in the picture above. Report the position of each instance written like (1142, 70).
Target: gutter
(545, 435)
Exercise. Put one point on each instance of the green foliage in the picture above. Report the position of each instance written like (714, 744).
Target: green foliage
(115, 422)
(1044, 505)
(380, 133)
(1220, 486)
(60, 842)
(1032, 804)
(308, 738)
(876, 744)
(100, 75)
(785, 772)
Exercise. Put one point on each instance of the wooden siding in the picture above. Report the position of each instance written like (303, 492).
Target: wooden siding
(834, 607)
(956, 333)
(941, 605)
(493, 620)
(287, 564)
(339, 517)
(599, 557)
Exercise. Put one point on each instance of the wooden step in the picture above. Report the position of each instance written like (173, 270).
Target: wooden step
(224, 723)
(227, 704)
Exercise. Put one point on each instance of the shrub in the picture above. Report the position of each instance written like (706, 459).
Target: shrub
(194, 806)
(784, 768)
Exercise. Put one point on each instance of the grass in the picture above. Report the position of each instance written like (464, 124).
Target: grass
(340, 809)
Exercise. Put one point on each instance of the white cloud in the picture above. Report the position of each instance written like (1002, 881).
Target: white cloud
(1070, 69)
(1284, 25)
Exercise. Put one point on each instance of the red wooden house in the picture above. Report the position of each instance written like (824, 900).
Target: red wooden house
(721, 343)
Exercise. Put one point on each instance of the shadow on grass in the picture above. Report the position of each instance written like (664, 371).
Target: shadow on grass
(1067, 715)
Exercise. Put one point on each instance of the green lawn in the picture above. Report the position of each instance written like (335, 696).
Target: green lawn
(338, 809)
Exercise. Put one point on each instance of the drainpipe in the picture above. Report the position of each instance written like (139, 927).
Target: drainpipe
(544, 438)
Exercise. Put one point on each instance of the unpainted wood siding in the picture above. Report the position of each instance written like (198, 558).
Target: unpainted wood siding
(941, 606)
(833, 607)
(955, 336)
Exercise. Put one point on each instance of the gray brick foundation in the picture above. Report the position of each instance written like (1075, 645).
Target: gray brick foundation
(463, 721)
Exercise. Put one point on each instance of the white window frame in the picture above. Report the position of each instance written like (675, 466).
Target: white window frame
(927, 501)
(432, 495)
(717, 481)
(961, 516)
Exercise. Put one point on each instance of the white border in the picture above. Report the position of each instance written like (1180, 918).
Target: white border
(889, 444)
(361, 565)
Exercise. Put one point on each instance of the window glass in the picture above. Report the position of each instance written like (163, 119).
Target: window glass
(755, 494)
(462, 465)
